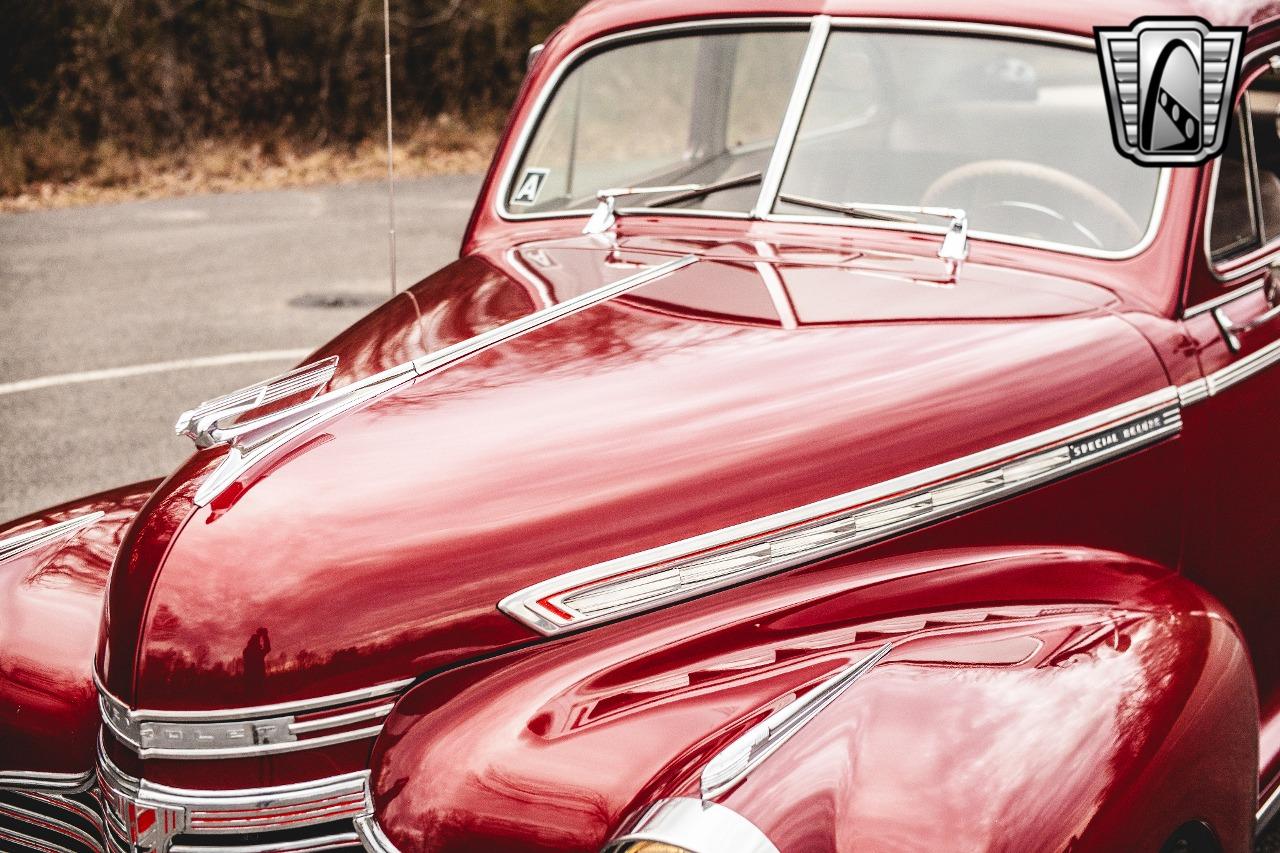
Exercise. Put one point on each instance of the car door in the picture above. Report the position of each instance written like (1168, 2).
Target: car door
(1233, 414)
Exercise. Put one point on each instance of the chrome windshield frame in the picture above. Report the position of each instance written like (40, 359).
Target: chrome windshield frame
(819, 28)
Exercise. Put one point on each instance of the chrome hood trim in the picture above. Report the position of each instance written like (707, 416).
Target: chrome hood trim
(254, 440)
(250, 732)
(15, 545)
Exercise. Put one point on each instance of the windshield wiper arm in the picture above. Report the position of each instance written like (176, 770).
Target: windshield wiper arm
(605, 214)
(955, 244)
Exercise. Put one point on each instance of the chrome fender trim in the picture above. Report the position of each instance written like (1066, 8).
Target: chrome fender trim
(733, 763)
(15, 545)
(657, 577)
(372, 836)
(694, 825)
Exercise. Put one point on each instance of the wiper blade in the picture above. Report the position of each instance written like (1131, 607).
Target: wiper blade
(955, 245)
(605, 214)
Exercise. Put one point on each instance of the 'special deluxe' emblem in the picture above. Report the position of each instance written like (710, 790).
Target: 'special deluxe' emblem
(1170, 85)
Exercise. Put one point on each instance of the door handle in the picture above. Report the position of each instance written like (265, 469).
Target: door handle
(1232, 330)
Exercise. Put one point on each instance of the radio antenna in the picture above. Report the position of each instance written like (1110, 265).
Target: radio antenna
(391, 162)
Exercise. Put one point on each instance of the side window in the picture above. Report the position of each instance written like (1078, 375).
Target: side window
(1263, 99)
(1246, 205)
(1234, 228)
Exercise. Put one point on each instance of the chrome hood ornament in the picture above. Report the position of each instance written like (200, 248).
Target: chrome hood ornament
(221, 420)
(258, 420)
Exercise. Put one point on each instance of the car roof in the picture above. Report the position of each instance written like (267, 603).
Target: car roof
(1078, 17)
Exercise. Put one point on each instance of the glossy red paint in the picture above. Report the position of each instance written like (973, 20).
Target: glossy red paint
(627, 426)
(1033, 697)
(50, 607)
(1073, 668)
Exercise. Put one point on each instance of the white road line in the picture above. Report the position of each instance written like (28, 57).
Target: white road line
(154, 367)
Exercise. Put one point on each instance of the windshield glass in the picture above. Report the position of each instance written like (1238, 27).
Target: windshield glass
(1016, 133)
(677, 110)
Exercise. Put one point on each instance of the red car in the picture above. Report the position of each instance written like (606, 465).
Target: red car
(826, 441)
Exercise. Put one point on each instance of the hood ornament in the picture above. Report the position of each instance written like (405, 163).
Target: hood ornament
(221, 420)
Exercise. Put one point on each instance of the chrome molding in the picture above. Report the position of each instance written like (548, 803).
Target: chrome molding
(546, 316)
(694, 825)
(771, 183)
(206, 424)
(243, 732)
(711, 561)
(1268, 810)
(372, 836)
(1242, 368)
(1266, 250)
(733, 763)
(255, 440)
(15, 545)
(60, 783)
(140, 810)
(775, 170)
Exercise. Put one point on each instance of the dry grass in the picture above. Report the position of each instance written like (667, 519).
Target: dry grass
(106, 175)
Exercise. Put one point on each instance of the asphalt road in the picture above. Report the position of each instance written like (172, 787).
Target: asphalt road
(237, 286)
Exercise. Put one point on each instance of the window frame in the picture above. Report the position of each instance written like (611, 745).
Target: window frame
(819, 27)
(1241, 265)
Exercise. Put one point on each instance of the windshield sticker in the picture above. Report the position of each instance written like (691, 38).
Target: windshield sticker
(530, 186)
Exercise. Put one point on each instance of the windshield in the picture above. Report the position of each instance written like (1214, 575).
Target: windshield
(1013, 132)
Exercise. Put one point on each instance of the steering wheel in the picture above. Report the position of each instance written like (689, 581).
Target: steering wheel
(1008, 196)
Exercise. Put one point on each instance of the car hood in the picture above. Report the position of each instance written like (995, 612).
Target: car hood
(761, 377)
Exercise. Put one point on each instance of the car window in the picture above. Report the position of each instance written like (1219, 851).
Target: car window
(1234, 228)
(1016, 133)
(673, 110)
(1263, 100)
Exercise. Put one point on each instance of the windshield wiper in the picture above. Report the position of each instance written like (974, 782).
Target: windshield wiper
(606, 214)
(955, 244)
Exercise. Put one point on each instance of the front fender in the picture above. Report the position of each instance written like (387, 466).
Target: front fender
(50, 612)
(1034, 699)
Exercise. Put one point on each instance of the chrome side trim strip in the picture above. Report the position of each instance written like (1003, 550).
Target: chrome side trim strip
(1243, 368)
(15, 545)
(255, 440)
(1225, 299)
(1268, 810)
(694, 825)
(772, 180)
(241, 732)
(58, 783)
(701, 564)
(372, 836)
(733, 763)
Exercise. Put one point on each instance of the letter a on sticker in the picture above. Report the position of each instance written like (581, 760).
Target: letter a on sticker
(530, 186)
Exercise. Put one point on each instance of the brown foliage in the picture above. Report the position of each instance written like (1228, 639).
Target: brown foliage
(88, 86)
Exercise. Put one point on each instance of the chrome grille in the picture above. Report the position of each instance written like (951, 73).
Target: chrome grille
(120, 814)
(50, 823)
